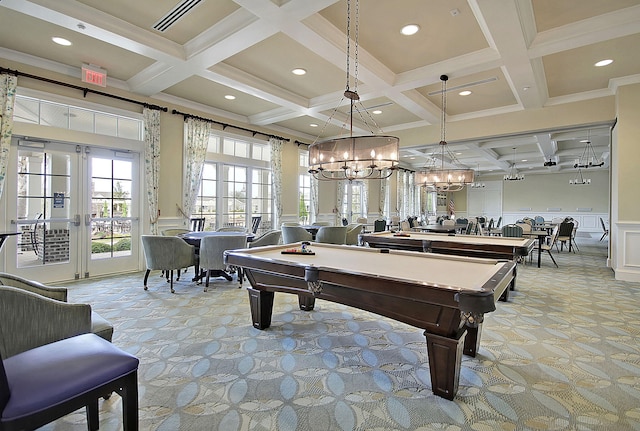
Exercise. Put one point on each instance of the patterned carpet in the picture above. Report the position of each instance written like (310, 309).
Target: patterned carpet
(562, 354)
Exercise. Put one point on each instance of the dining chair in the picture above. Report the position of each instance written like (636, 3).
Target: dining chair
(50, 381)
(512, 231)
(212, 250)
(379, 225)
(552, 241)
(240, 229)
(197, 224)
(291, 234)
(605, 231)
(332, 234)
(353, 233)
(255, 223)
(565, 235)
(271, 237)
(405, 226)
(167, 253)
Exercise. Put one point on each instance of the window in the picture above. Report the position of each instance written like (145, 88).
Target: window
(206, 202)
(352, 204)
(261, 198)
(234, 196)
(34, 110)
(236, 185)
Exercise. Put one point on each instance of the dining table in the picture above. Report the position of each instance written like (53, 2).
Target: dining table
(541, 234)
(193, 238)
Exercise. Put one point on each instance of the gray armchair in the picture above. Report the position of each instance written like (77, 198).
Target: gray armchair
(292, 234)
(353, 231)
(33, 314)
(167, 253)
(332, 234)
(271, 237)
(212, 250)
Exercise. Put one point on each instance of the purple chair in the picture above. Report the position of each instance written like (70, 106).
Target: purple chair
(43, 384)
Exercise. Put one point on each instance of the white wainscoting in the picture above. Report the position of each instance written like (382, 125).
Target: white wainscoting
(587, 222)
(626, 258)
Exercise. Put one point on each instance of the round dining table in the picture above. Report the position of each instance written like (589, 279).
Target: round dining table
(194, 238)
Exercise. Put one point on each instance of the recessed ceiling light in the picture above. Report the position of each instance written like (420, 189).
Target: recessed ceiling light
(377, 112)
(313, 125)
(229, 97)
(464, 93)
(410, 29)
(299, 71)
(584, 141)
(523, 160)
(61, 41)
(458, 154)
(603, 63)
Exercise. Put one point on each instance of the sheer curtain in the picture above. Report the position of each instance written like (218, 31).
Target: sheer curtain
(382, 200)
(365, 199)
(152, 163)
(277, 146)
(400, 195)
(8, 84)
(341, 187)
(196, 142)
(314, 199)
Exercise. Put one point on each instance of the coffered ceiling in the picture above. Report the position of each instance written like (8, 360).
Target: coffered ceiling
(513, 55)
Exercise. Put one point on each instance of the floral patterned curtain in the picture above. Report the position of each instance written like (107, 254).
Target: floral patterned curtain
(384, 185)
(341, 187)
(365, 198)
(277, 145)
(197, 139)
(314, 210)
(8, 84)
(400, 195)
(152, 163)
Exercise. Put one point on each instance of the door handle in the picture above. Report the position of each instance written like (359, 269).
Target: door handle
(76, 220)
(87, 219)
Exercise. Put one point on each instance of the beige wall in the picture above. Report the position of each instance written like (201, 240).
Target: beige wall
(540, 192)
(627, 156)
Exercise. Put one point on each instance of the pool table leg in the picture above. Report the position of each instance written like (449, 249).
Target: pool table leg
(472, 340)
(261, 303)
(445, 357)
(306, 302)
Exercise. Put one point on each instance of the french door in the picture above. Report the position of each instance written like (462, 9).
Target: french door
(76, 208)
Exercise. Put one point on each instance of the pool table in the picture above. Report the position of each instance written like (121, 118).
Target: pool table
(446, 296)
(492, 247)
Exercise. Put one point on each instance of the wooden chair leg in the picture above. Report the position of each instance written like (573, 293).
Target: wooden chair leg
(554, 261)
(93, 420)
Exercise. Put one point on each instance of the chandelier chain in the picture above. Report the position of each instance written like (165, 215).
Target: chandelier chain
(444, 113)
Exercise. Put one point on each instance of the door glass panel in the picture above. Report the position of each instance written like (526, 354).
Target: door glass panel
(43, 206)
(111, 187)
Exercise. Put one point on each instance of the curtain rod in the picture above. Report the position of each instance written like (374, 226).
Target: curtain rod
(85, 90)
(225, 125)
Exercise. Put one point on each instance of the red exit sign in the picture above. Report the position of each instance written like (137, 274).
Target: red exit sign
(94, 75)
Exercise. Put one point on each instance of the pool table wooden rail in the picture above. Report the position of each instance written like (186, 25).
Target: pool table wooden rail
(458, 245)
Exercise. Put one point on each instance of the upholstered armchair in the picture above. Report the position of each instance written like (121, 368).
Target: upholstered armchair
(212, 250)
(332, 234)
(174, 231)
(353, 231)
(33, 314)
(167, 253)
(292, 234)
(271, 237)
